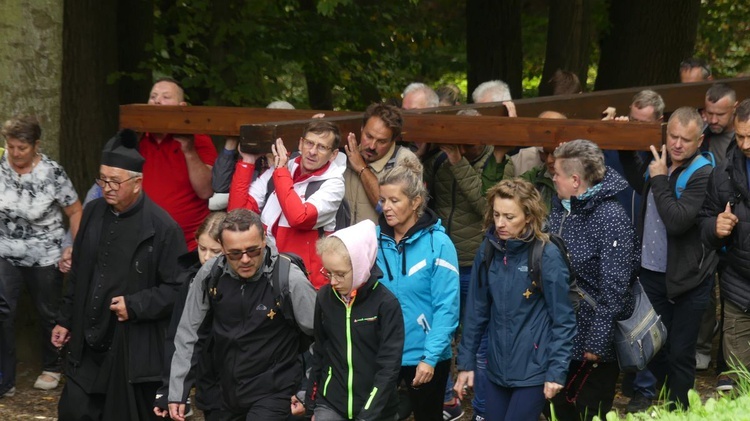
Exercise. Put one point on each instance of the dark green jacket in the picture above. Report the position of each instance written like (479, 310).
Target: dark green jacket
(457, 197)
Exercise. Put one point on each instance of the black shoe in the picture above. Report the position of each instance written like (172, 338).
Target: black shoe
(639, 403)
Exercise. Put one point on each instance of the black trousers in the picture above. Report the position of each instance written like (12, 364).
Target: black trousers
(276, 407)
(590, 387)
(427, 399)
(77, 405)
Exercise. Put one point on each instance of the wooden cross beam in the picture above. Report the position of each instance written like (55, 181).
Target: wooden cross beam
(490, 130)
(438, 126)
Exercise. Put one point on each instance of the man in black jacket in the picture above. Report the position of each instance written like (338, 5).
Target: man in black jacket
(724, 223)
(676, 269)
(255, 346)
(119, 297)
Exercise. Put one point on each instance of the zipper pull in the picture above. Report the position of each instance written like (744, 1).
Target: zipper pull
(505, 260)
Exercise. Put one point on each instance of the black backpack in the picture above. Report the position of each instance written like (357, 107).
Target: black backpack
(536, 253)
(280, 285)
(343, 213)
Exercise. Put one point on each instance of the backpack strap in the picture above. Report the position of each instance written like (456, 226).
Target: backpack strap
(535, 262)
(280, 285)
(489, 254)
(212, 281)
(700, 161)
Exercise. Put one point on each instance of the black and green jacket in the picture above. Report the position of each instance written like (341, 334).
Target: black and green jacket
(357, 352)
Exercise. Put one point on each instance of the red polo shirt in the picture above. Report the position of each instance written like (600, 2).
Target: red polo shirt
(166, 180)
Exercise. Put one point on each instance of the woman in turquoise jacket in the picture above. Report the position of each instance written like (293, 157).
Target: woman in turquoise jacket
(421, 269)
(530, 326)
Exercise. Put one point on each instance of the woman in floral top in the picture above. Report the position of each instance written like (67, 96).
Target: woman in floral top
(35, 191)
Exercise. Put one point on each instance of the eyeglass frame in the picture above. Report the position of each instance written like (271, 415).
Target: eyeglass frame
(235, 255)
(317, 147)
(330, 275)
(111, 183)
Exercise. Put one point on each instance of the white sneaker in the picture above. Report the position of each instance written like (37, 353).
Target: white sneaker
(10, 393)
(702, 361)
(47, 384)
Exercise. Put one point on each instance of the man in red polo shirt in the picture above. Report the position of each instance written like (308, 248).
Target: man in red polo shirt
(177, 172)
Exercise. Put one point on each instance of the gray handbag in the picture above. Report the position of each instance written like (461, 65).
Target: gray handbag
(641, 336)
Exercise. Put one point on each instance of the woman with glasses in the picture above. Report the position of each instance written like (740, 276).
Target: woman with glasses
(35, 192)
(359, 332)
(421, 269)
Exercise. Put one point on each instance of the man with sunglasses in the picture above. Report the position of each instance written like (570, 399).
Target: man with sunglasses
(255, 339)
(120, 291)
(280, 195)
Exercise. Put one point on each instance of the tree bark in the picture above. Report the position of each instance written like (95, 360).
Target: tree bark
(135, 30)
(568, 41)
(646, 42)
(89, 112)
(493, 43)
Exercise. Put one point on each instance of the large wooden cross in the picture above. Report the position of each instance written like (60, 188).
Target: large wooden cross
(441, 125)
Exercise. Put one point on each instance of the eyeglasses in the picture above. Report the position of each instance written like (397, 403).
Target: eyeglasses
(237, 254)
(330, 275)
(113, 185)
(318, 147)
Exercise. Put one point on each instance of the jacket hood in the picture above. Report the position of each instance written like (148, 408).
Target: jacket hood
(362, 244)
(612, 184)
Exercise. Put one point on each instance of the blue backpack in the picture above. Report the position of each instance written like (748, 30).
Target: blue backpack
(700, 161)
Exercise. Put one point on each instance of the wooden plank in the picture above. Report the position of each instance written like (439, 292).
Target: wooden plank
(288, 124)
(495, 131)
(221, 121)
(590, 105)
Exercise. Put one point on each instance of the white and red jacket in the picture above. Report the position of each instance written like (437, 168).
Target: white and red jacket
(290, 218)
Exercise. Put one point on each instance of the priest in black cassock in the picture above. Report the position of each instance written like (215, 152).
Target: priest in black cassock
(119, 295)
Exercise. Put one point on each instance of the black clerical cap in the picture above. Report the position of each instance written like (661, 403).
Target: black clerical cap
(122, 152)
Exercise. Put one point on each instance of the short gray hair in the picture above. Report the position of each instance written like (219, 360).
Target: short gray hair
(718, 91)
(280, 105)
(431, 97)
(687, 115)
(582, 157)
(646, 98)
(496, 89)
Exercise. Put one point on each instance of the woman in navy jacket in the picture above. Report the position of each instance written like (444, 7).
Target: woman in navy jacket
(604, 255)
(531, 326)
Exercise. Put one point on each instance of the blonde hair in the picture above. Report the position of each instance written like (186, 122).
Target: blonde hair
(211, 225)
(332, 244)
(408, 174)
(528, 199)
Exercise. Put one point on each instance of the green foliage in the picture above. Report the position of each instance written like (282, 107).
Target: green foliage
(723, 36)
(249, 53)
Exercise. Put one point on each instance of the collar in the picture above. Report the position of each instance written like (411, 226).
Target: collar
(133, 209)
(380, 163)
(298, 177)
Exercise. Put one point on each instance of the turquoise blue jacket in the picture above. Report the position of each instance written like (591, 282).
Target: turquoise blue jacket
(422, 272)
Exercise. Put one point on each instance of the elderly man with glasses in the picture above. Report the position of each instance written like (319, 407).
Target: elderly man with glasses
(120, 292)
(298, 198)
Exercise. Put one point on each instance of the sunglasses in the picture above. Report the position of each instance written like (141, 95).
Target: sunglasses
(237, 254)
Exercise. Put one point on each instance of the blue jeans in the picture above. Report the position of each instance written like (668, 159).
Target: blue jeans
(682, 315)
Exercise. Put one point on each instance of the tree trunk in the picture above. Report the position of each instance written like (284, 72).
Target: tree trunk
(646, 42)
(568, 41)
(493, 43)
(135, 30)
(89, 112)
